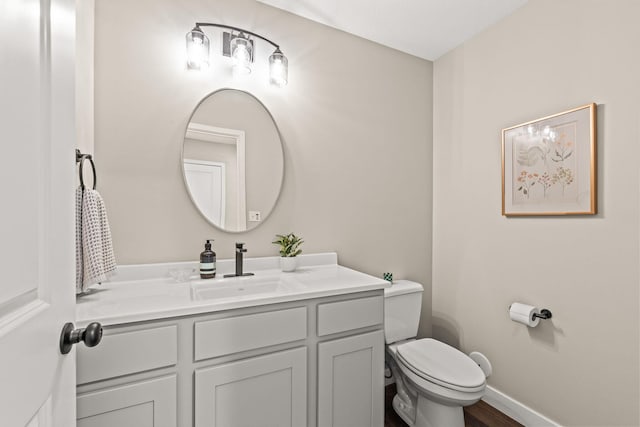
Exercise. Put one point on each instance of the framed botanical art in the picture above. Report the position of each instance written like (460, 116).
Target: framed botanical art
(549, 165)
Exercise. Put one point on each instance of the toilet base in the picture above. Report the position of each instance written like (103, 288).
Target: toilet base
(403, 410)
(428, 413)
(428, 405)
(434, 414)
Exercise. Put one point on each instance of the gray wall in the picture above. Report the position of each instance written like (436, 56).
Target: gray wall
(356, 119)
(581, 368)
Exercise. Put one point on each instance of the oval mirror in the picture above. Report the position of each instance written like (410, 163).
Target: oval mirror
(232, 160)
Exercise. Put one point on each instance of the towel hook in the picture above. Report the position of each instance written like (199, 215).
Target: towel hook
(80, 158)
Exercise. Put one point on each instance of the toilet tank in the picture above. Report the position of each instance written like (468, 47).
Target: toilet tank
(402, 304)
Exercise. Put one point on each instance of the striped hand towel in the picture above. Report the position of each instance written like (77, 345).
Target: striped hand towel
(95, 261)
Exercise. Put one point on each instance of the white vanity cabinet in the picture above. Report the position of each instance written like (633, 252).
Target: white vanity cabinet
(146, 401)
(351, 382)
(314, 362)
(266, 390)
(269, 390)
(350, 369)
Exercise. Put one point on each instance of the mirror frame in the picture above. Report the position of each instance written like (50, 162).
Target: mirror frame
(184, 175)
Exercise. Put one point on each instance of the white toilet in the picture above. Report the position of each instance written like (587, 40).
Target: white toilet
(434, 380)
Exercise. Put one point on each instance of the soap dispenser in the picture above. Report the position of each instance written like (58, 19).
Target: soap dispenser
(207, 262)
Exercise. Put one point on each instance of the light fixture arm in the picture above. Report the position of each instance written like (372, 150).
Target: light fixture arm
(229, 27)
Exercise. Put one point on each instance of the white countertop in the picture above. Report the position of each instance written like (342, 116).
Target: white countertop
(148, 292)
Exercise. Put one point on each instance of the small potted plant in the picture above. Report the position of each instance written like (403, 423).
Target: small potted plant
(289, 250)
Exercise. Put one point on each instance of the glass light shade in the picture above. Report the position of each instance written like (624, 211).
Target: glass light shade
(197, 50)
(278, 69)
(241, 52)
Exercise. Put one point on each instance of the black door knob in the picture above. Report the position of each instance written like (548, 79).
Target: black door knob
(91, 336)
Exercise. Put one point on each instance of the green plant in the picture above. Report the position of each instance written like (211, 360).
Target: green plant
(289, 244)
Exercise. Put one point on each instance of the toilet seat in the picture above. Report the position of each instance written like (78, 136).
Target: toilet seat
(441, 364)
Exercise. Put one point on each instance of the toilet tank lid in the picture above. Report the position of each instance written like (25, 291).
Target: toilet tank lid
(401, 287)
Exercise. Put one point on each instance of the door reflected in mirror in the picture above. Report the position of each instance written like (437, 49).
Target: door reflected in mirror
(233, 160)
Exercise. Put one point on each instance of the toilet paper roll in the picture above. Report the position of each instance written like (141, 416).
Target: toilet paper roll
(523, 313)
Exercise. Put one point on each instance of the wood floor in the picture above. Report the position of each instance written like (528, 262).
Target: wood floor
(478, 415)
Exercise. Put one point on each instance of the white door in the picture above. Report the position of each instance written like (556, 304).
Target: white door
(37, 173)
(206, 182)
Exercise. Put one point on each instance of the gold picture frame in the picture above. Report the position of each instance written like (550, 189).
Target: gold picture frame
(549, 165)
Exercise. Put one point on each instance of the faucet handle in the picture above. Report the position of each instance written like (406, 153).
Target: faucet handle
(240, 248)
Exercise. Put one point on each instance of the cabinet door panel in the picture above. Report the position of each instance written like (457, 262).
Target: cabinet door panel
(262, 391)
(123, 353)
(351, 381)
(142, 404)
(140, 415)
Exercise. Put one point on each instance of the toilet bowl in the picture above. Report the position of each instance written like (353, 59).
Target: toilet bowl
(433, 380)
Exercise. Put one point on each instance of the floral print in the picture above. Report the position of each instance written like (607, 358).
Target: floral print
(545, 182)
(562, 149)
(544, 163)
(563, 176)
(527, 180)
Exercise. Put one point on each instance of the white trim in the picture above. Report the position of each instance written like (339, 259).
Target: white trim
(241, 189)
(516, 410)
(213, 133)
(235, 137)
(85, 72)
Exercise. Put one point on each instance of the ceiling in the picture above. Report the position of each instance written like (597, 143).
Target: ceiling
(424, 28)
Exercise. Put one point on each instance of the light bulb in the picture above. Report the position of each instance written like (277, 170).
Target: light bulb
(241, 54)
(278, 69)
(197, 50)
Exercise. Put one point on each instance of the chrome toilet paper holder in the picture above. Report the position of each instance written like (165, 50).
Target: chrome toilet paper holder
(544, 314)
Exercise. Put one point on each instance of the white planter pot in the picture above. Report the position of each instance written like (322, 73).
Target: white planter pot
(288, 263)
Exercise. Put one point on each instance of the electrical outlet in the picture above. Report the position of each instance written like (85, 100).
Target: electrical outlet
(255, 216)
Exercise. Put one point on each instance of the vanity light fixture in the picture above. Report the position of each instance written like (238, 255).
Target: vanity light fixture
(238, 45)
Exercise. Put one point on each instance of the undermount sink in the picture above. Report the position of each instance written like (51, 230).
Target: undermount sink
(234, 287)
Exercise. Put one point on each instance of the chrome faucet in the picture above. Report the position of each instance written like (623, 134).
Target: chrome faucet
(240, 249)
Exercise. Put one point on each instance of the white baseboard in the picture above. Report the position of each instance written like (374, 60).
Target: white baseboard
(516, 410)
